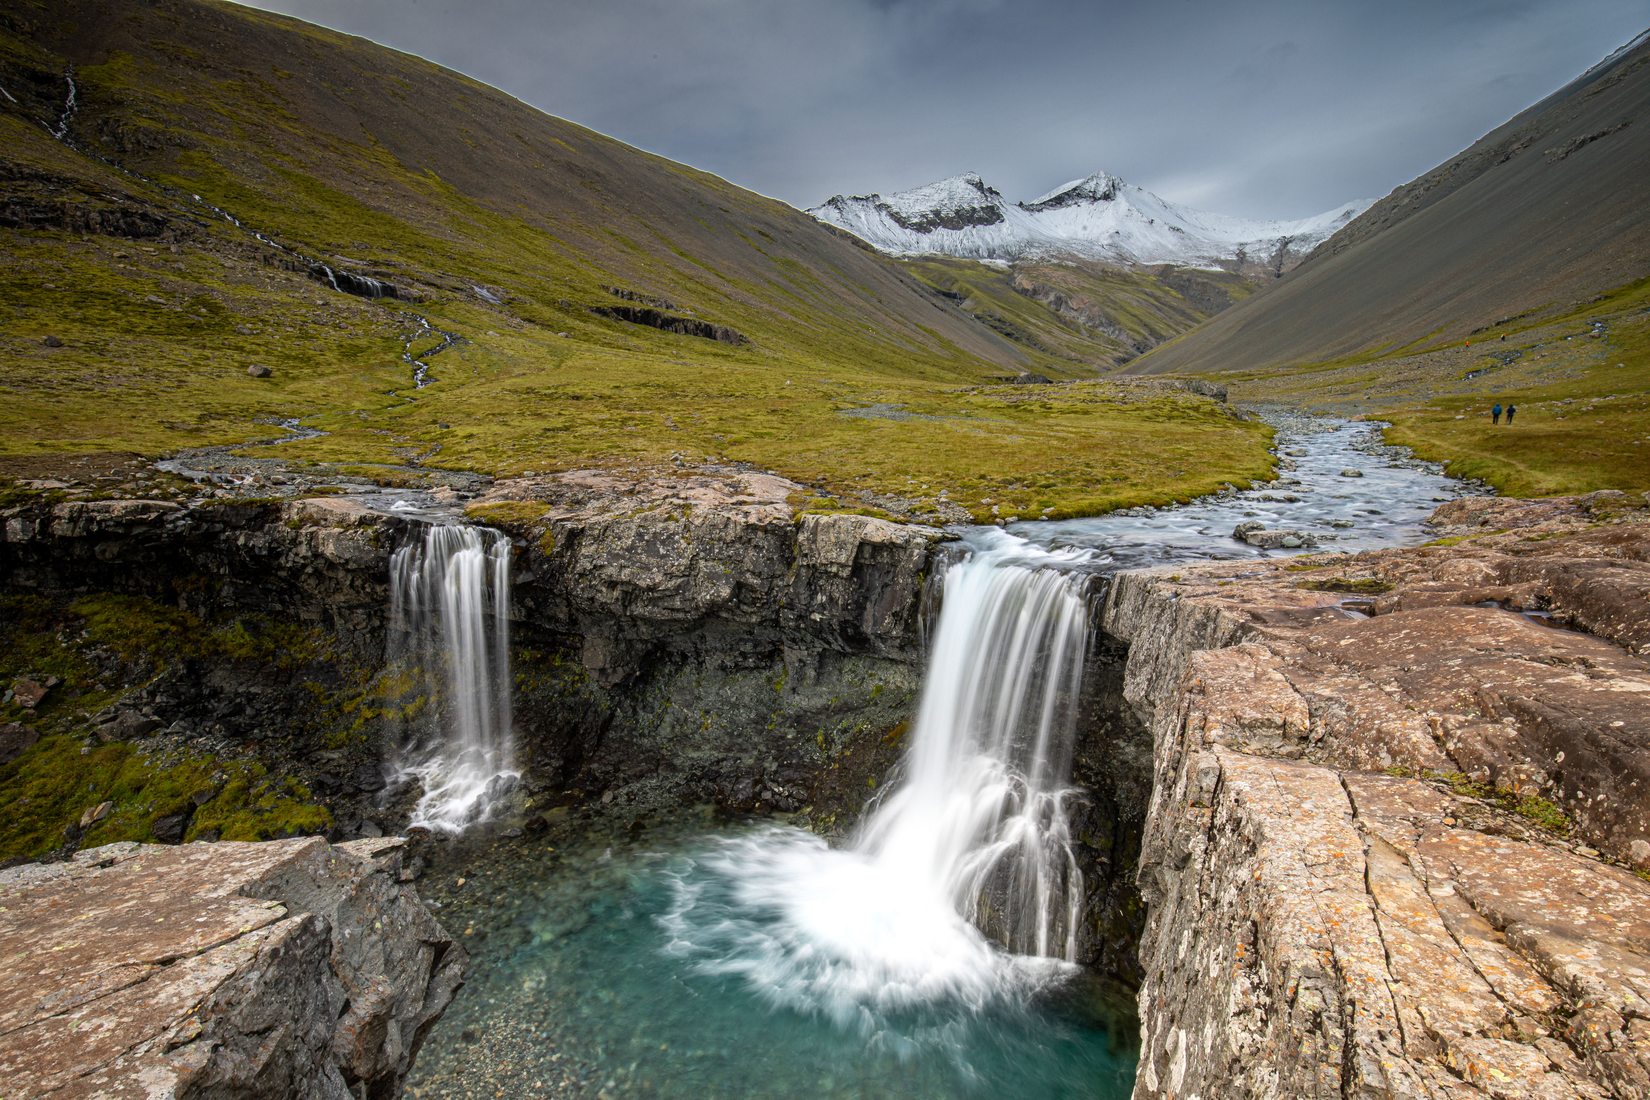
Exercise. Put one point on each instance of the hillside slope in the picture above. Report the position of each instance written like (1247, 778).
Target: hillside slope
(216, 223)
(1540, 215)
(1079, 310)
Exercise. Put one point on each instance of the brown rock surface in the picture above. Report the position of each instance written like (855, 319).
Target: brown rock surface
(288, 968)
(1397, 804)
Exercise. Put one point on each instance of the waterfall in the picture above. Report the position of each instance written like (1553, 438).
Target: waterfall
(450, 630)
(981, 815)
(960, 894)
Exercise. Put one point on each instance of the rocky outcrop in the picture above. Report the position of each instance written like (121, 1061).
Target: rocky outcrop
(322, 561)
(289, 968)
(685, 636)
(735, 652)
(1397, 804)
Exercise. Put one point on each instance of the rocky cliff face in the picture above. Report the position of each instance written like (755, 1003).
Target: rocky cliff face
(685, 638)
(1398, 802)
(726, 650)
(293, 968)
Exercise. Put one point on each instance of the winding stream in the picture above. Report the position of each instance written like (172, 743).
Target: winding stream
(928, 956)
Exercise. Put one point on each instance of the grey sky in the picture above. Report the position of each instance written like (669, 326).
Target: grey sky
(1277, 109)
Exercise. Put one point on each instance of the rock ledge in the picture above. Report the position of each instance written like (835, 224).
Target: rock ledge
(278, 969)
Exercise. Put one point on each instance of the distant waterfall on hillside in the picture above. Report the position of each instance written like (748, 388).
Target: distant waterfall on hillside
(450, 629)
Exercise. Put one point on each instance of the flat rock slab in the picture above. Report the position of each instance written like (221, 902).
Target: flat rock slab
(288, 968)
(1399, 799)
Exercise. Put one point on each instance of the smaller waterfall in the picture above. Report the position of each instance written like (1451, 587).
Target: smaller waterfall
(450, 627)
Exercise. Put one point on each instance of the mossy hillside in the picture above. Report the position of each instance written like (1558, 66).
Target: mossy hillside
(1583, 403)
(1131, 309)
(157, 342)
(51, 786)
(102, 647)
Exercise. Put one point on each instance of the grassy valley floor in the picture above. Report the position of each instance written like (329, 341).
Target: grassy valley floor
(1579, 376)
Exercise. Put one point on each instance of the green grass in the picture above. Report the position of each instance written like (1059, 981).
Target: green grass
(100, 646)
(1583, 402)
(1538, 811)
(158, 335)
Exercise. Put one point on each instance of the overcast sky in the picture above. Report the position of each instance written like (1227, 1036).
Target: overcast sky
(1247, 107)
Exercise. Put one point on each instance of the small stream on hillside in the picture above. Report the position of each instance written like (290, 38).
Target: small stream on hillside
(931, 953)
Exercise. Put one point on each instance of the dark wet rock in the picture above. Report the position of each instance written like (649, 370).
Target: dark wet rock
(51, 341)
(289, 968)
(15, 740)
(368, 777)
(171, 828)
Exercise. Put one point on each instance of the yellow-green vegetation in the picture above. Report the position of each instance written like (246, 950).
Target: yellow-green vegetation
(519, 513)
(511, 229)
(1583, 403)
(1578, 374)
(48, 788)
(71, 770)
(1538, 811)
(1083, 312)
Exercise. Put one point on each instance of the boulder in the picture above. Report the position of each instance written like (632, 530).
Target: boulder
(15, 740)
(287, 968)
(29, 693)
(258, 370)
(1258, 535)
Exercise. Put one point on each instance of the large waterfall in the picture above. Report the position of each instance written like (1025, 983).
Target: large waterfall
(961, 891)
(450, 631)
(980, 817)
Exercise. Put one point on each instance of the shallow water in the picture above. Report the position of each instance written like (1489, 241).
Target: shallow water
(1386, 506)
(642, 967)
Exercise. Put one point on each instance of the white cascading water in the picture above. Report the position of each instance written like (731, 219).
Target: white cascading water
(981, 815)
(973, 842)
(450, 623)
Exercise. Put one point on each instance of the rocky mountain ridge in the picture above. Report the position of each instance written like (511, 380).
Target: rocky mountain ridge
(1100, 217)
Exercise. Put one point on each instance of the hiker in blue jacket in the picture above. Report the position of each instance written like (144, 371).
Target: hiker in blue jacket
(1495, 413)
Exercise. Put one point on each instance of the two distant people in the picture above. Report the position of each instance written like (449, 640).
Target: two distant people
(1495, 413)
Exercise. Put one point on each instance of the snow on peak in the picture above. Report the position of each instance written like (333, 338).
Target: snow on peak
(1100, 187)
(1098, 217)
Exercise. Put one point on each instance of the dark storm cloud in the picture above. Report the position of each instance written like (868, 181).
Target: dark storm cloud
(1258, 109)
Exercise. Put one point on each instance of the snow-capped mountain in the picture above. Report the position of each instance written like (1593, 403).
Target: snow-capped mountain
(1099, 218)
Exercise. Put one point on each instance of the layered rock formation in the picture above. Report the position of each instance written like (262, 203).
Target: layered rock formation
(1398, 803)
(291, 968)
(657, 622)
